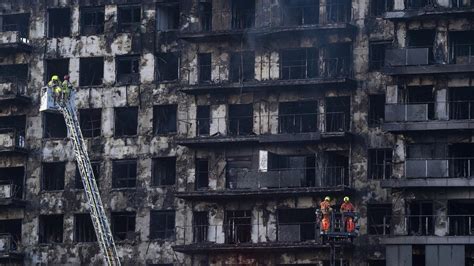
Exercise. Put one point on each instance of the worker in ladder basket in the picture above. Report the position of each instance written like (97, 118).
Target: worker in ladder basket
(325, 207)
(66, 88)
(56, 88)
(347, 210)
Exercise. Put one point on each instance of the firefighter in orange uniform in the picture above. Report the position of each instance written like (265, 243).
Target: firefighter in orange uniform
(326, 210)
(347, 210)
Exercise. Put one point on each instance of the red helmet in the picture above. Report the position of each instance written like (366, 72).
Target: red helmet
(66, 77)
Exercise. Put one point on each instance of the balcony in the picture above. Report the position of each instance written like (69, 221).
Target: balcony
(429, 9)
(13, 90)
(281, 22)
(14, 42)
(449, 172)
(9, 248)
(420, 61)
(277, 183)
(452, 115)
(292, 128)
(235, 237)
(429, 229)
(10, 195)
(12, 141)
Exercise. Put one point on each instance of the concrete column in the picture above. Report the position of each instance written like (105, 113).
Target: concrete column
(440, 48)
(398, 5)
(441, 107)
(391, 94)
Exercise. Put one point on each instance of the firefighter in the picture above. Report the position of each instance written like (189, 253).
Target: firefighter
(55, 85)
(325, 207)
(66, 87)
(347, 210)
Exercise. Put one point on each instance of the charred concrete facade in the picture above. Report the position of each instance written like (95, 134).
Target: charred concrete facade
(216, 127)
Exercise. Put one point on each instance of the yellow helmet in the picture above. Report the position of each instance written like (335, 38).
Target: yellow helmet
(346, 199)
(327, 198)
(54, 78)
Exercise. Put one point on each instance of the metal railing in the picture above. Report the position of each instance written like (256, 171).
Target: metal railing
(248, 233)
(8, 243)
(431, 4)
(409, 112)
(8, 190)
(439, 168)
(11, 138)
(21, 29)
(18, 86)
(297, 123)
(461, 110)
(461, 53)
(317, 177)
(430, 225)
(337, 67)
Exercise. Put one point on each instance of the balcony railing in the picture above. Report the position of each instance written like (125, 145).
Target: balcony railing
(413, 56)
(337, 67)
(11, 139)
(461, 110)
(323, 177)
(409, 112)
(13, 37)
(7, 243)
(462, 53)
(439, 168)
(9, 190)
(12, 87)
(432, 4)
(297, 123)
(430, 225)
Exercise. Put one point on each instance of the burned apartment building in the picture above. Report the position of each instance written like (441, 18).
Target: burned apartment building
(215, 128)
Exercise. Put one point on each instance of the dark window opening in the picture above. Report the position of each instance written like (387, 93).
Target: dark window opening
(95, 170)
(59, 22)
(203, 117)
(461, 47)
(164, 119)
(90, 120)
(129, 18)
(296, 225)
(334, 169)
(293, 170)
(16, 22)
(59, 67)
(13, 229)
(162, 224)
(339, 262)
(205, 67)
(426, 150)
(126, 121)
(51, 229)
(378, 219)
(423, 96)
(377, 55)
(300, 12)
(53, 176)
(200, 226)
(337, 60)
(14, 127)
(242, 66)
(462, 3)
(128, 69)
(235, 166)
(167, 16)
(123, 225)
(243, 14)
(92, 20)
(164, 171)
(460, 214)
(416, 4)
(461, 163)
(91, 71)
(124, 173)
(376, 263)
(205, 15)
(339, 11)
(380, 163)
(422, 39)
(421, 219)
(376, 109)
(11, 181)
(418, 255)
(240, 119)
(299, 63)
(167, 66)
(238, 226)
(14, 73)
(83, 228)
(379, 7)
(202, 174)
(298, 117)
(338, 114)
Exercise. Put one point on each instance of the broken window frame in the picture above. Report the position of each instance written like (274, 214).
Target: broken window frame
(377, 54)
(17, 24)
(130, 225)
(337, 114)
(128, 168)
(128, 69)
(292, 120)
(376, 110)
(165, 70)
(164, 171)
(202, 174)
(379, 225)
(162, 230)
(97, 20)
(203, 120)
(378, 7)
(165, 119)
(92, 127)
(91, 71)
(171, 22)
(63, 29)
(134, 24)
(289, 63)
(83, 228)
(243, 17)
(242, 66)
(205, 15)
(299, 14)
(240, 125)
(49, 232)
(124, 130)
(380, 164)
(56, 184)
(238, 227)
(200, 226)
(461, 103)
(204, 68)
(96, 167)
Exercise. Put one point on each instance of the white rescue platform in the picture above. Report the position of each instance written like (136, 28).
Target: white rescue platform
(47, 100)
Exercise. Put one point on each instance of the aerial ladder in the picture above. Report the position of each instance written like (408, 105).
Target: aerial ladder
(96, 208)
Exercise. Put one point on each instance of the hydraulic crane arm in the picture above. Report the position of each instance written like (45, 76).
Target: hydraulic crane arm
(98, 216)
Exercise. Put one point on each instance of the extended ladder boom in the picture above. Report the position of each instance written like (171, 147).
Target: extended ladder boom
(98, 216)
